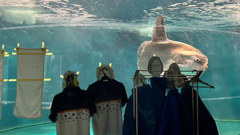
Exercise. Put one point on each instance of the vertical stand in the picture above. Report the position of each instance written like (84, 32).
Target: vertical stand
(134, 106)
(197, 110)
(193, 106)
(135, 102)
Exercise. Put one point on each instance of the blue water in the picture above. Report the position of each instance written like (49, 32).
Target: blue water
(80, 34)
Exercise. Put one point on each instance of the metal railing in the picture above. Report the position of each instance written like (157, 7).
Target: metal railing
(135, 94)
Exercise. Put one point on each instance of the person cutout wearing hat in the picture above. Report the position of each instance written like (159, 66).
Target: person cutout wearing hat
(70, 109)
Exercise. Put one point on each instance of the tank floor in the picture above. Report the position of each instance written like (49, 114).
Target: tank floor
(225, 128)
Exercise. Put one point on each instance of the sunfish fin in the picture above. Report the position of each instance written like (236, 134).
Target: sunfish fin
(179, 59)
(158, 32)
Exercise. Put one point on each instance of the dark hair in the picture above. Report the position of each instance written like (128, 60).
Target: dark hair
(173, 69)
(70, 81)
(151, 61)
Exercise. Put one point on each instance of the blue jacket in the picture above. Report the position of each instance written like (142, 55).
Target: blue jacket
(175, 119)
(207, 125)
(150, 105)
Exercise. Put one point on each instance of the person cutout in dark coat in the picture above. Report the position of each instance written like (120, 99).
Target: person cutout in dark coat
(70, 109)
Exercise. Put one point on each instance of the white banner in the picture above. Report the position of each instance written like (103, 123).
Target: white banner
(30, 75)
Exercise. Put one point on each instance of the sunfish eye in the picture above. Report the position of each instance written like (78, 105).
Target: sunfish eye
(197, 60)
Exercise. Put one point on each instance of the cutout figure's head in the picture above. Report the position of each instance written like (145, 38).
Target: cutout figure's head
(155, 66)
(69, 79)
(108, 71)
(174, 70)
(172, 74)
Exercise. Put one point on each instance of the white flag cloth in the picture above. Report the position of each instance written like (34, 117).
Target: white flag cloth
(30, 71)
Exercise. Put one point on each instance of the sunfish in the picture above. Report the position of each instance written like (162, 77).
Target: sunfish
(186, 56)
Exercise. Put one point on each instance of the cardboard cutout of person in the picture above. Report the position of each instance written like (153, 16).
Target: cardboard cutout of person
(151, 99)
(175, 119)
(155, 66)
(70, 109)
(106, 97)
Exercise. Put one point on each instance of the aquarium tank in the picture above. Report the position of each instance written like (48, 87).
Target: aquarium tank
(79, 34)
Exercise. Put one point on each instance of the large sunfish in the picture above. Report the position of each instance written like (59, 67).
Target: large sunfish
(186, 56)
